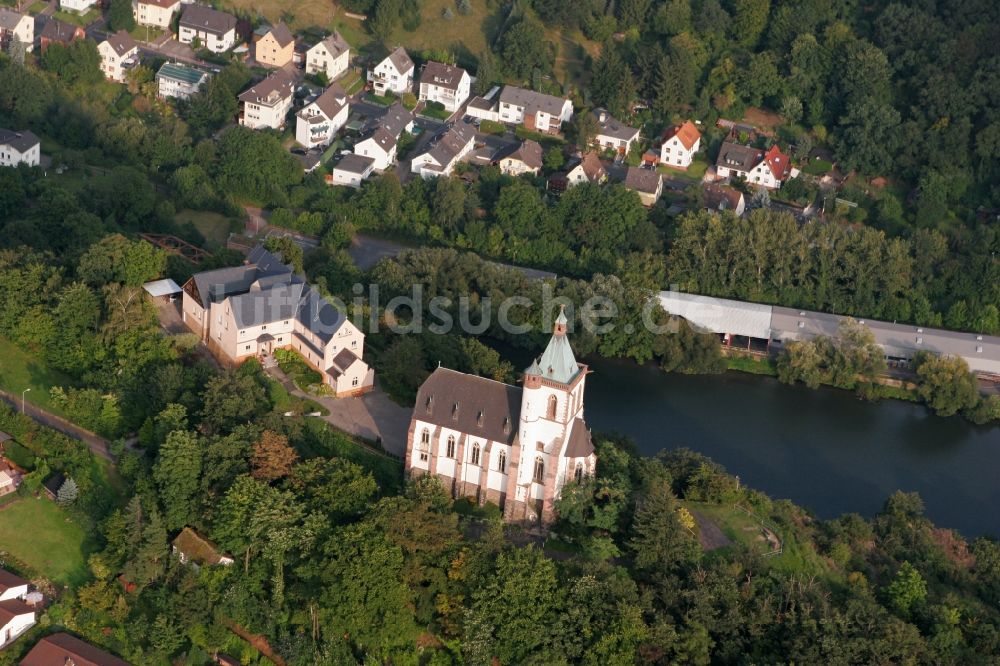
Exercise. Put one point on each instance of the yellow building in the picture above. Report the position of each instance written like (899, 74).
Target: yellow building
(276, 47)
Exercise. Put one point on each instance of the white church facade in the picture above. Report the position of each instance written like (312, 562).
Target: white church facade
(516, 447)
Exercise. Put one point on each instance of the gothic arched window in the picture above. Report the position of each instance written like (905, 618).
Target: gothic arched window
(502, 462)
(539, 476)
(578, 474)
(551, 411)
(425, 441)
(451, 446)
(474, 458)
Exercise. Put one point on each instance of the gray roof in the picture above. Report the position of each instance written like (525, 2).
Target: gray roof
(442, 75)
(281, 34)
(400, 59)
(179, 72)
(336, 44)
(396, 119)
(612, 127)
(206, 19)
(57, 31)
(319, 316)
(558, 363)
(332, 101)
(741, 158)
(580, 445)
(529, 99)
(528, 151)
(447, 145)
(358, 164)
(122, 42)
(470, 404)
(9, 18)
(19, 141)
(265, 304)
(341, 362)
(276, 87)
(478, 102)
(380, 135)
(642, 180)
(719, 315)
(215, 286)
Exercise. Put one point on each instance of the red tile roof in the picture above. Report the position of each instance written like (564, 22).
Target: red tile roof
(687, 133)
(780, 164)
(60, 649)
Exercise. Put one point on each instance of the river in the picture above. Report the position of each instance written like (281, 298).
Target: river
(823, 449)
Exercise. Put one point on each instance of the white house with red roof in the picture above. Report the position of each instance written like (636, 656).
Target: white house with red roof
(680, 143)
(768, 168)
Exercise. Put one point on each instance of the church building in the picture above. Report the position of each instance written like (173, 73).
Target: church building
(516, 447)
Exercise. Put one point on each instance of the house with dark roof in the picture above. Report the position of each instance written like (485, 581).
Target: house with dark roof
(448, 85)
(331, 56)
(613, 134)
(266, 104)
(214, 30)
(248, 311)
(351, 170)
(12, 586)
(15, 25)
(588, 168)
(514, 446)
(394, 74)
(380, 139)
(517, 159)
(16, 617)
(757, 167)
(647, 183)
(19, 148)
(57, 32)
(155, 13)
(119, 53)
(64, 650)
(445, 150)
(719, 198)
(318, 122)
(536, 111)
(275, 47)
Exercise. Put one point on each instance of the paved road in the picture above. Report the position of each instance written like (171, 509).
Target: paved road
(98, 445)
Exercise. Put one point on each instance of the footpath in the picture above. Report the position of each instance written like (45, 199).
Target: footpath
(98, 445)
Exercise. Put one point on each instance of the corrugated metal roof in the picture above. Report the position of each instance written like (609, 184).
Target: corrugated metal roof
(719, 315)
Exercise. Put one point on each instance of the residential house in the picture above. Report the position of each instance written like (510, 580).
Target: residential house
(536, 111)
(7, 480)
(214, 30)
(679, 145)
(481, 108)
(446, 84)
(394, 74)
(179, 81)
(12, 587)
(317, 123)
(18, 148)
(380, 140)
(155, 13)
(332, 56)
(757, 167)
(119, 53)
(251, 310)
(57, 32)
(266, 104)
(78, 6)
(276, 47)
(16, 617)
(189, 546)
(64, 650)
(445, 151)
(14, 25)
(612, 134)
(721, 197)
(352, 170)
(588, 169)
(513, 446)
(646, 183)
(522, 158)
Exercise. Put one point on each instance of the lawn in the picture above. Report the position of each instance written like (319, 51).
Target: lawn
(145, 33)
(436, 110)
(464, 36)
(286, 402)
(292, 365)
(36, 8)
(82, 20)
(755, 366)
(19, 370)
(818, 167)
(351, 82)
(384, 100)
(44, 537)
(693, 173)
(215, 227)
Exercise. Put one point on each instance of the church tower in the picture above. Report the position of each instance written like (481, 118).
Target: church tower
(553, 445)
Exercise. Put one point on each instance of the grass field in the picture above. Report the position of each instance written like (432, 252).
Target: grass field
(818, 167)
(43, 536)
(82, 20)
(145, 33)
(464, 36)
(215, 227)
(19, 370)
(756, 366)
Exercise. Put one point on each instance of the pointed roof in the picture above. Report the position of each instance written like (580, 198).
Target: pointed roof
(558, 362)
(122, 42)
(400, 59)
(780, 164)
(580, 444)
(686, 133)
(533, 369)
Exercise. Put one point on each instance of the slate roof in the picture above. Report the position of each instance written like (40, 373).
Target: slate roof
(531, 100)
(9, 580)
(11, 608)
(481, 103)
(19, 141)
(332, 101)
(385, 139)
(580, 445)
(281, 34)
(442, 75)
(276, 87)
(57, 31)
(319, 316)
(276, 302)
(642, 180)
(740, 158)
(122, 42)
(335, 44)
(341, 362)
(720, 197)
(396, 119)
(206, 19)
(686, 133)
(400, 59)
(528, 151)
(470, 404)
(352, 163)
(60, 649)
(9, 18)
(612, 127)
(450, 142)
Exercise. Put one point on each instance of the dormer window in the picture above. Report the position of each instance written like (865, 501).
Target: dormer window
(479, 419)
(430, 403)
(454, 412)
(506, 425)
